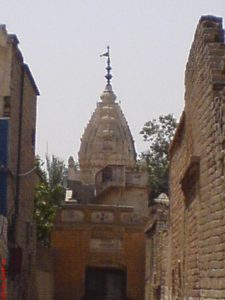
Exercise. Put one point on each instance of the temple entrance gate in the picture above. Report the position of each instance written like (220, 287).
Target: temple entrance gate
(105, 284)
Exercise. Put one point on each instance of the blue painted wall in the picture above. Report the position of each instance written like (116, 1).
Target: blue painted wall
(4, 133)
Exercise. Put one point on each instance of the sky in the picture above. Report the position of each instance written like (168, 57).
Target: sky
(62, 41)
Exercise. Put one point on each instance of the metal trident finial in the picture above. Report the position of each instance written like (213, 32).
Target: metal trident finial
(108, 76)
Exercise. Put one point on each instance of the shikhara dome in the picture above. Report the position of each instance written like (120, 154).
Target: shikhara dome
(107, 139)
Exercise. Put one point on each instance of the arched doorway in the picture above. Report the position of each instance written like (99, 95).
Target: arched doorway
(105, 284)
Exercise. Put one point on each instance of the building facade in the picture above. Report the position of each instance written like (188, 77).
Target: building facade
(98, 237)
(186, 258)
(197, 183)
(18, 93)
(157, 254)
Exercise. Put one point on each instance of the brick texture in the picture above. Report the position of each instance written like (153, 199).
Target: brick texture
(157, 252)
(72, 239)
(197, 172)
(19, 89)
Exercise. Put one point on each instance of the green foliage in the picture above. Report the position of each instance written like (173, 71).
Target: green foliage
(40, 169)
(44, 212)
(49, 194)
(55, 171)
(158, 133)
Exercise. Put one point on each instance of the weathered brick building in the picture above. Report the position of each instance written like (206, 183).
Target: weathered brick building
(197, 185)
(98, 237)
(157, 255)
(18, 93)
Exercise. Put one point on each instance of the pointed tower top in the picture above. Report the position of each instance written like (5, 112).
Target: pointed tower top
(108, 76)
(108, 95)
(107, 139)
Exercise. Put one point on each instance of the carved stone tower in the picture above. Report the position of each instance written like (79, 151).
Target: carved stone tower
(107, 158)
(107, 139)
(104, 213)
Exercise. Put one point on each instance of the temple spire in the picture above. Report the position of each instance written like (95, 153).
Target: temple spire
(108, 76)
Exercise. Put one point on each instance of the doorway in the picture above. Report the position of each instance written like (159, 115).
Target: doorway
(105, 284)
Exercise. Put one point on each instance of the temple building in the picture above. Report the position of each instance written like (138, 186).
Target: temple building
(98, 238)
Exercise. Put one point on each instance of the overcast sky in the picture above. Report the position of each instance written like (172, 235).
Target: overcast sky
(62, 40)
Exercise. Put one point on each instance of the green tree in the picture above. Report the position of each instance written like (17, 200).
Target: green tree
(49, 194)
(40, 171)
(55, 171)
(158, 133)
(55, 176)
(44, 212)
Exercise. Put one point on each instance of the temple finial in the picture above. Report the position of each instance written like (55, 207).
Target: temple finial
(108, 76)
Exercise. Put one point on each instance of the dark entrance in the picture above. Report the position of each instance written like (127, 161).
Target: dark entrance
(105, 284)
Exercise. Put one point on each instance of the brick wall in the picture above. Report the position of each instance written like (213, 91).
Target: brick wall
(197, 172)
(157, 253)
(80, 239)
(20, 91)
(44, 273)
